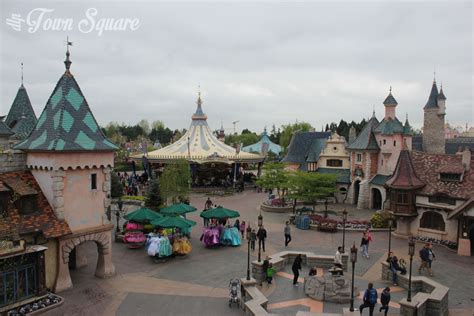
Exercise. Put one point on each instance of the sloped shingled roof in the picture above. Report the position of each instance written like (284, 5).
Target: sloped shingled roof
(389, 127)
(67, 123)
(428, 166)
(366, 138)
(301, 144)
(21, 118)
(43, 220)
(343, 175)
(404, 176)
(5, 130)
(451, 146)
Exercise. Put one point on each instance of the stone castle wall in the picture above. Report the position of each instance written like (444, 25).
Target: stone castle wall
(433, 132)
(12, 161)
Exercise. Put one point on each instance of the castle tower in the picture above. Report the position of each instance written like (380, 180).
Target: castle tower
(433, 121)
(21, 118)
(390, 105)
(71, 159)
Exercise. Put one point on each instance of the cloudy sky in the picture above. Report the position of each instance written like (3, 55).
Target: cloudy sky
(259, 63)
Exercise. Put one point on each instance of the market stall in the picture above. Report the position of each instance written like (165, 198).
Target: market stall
(168, 240)
(138, 222)
(219, 232)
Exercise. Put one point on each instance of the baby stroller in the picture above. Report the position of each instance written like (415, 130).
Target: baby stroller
(234, 286)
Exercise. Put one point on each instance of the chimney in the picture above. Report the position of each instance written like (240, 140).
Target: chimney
(466, 157)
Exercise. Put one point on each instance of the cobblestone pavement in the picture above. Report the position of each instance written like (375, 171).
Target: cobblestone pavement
(198, 284)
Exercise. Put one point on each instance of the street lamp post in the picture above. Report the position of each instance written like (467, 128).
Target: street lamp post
(390, 224)
(344, 219)
(248, 259)
(117, 214)
(353, 260)
(411, 252)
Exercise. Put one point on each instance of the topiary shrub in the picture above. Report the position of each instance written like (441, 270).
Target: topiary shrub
(380, 219)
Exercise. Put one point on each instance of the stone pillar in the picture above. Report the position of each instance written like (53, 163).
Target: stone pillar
(364, 195)
(63, 280)
(105, 266)
(81, 258)
(58, 186)
(464, 247)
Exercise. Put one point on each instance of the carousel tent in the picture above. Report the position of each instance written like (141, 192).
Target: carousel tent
(263, 146)
(200, 145)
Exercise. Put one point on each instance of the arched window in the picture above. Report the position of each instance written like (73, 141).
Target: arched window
(432, 220)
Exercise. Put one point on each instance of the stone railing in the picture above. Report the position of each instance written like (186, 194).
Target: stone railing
(280, 259)
(431, 299)
(253, 300)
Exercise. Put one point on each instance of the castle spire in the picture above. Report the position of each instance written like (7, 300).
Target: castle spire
(68, 62)
(199, 114)
(22, 74)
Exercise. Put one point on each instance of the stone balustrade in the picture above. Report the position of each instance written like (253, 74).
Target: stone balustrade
(431, 298)
(280, 259)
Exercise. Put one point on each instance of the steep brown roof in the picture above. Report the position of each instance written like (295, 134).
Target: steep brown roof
(404, 176)
(428, 168)
(44, 220)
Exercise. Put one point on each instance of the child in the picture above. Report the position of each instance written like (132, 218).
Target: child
(385, 300)
(242, 228)
(270, 272)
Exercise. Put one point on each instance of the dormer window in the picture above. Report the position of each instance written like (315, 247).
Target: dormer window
(445, 176)
(27, 204)
(4, 196)
(441, 198)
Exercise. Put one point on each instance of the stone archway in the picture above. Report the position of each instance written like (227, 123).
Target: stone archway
(376, 199)
(102, 237)
(356, 191)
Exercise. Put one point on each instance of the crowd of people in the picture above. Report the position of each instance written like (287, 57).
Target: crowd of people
(132, 183)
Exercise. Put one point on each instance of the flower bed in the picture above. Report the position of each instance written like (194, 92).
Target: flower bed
(450, 244)
(40, 306)
(328, 224)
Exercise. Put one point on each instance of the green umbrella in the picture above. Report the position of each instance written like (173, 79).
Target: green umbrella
(178, 208)
(220, 212)
(173, 221)
(143, 215)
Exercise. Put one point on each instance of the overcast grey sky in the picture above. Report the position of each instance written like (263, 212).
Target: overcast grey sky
(260, 63)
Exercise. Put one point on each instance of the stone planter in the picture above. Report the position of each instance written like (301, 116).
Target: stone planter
(276, 209)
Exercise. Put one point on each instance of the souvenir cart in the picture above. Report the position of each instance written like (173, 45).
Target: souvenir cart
(179, 209)
(134, 235)
(218, 233)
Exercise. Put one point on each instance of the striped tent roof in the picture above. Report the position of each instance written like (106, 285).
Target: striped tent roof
(199, 144)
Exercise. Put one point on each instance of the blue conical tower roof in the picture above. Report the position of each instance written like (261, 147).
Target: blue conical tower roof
(67, 123)
(21, 118)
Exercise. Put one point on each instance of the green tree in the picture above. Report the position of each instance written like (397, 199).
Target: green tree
(288, 131)
(153, 197)
(116, 188)
(175, 181)
(311, 186)
(145, 126)
(275, 177)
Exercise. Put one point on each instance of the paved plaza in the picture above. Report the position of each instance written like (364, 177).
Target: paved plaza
(198, 284)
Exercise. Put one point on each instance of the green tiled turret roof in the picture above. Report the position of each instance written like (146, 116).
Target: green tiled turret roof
(389, 127)
(21, 117)
(366, 138)
(67, 123)
(4, 129)
(407, 130)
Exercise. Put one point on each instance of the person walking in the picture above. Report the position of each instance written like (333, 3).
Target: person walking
(385, 300)
(262, 235)
(253, 238)
(370, 299)
(242, 228)
(287, 233)
(338, 260)
(427, 256)
(237, 224)
(296, 267)
(208, 204)
(248, 231)
(364, 243)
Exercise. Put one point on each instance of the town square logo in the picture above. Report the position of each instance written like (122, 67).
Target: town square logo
(45, 19)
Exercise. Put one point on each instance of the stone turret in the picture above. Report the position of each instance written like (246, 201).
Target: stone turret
(433, 122)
